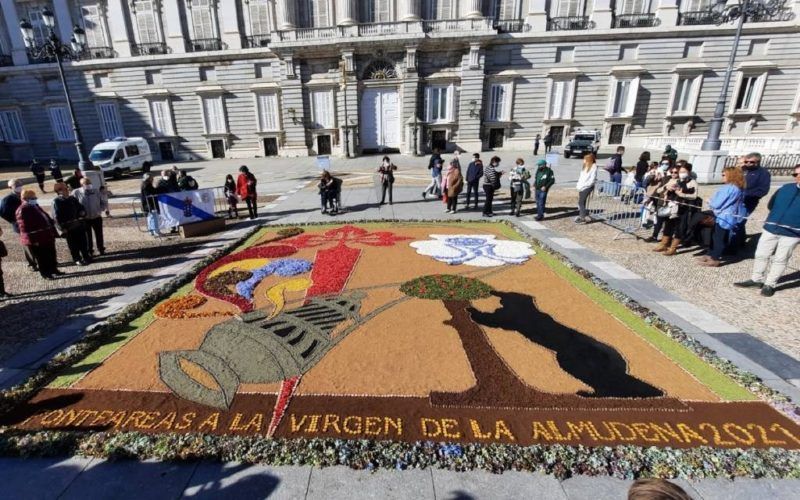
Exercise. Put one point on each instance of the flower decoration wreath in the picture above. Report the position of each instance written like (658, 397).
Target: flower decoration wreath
(480, 250)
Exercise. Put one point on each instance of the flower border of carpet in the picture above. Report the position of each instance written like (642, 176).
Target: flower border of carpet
(624, 461)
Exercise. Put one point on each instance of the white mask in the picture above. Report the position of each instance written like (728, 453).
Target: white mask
(165, 177)
(664, 167)
(33, 202)
(683, 176)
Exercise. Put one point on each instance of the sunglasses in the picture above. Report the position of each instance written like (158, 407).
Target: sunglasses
(750, 162)
(796, 174)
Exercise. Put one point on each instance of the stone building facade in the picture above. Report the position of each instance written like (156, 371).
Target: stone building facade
(250, 78)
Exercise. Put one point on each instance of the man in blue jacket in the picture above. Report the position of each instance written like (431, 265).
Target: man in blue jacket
(474, 174)
(757, 180)
(778, 240)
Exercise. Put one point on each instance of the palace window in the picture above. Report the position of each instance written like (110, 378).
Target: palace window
(570, 8)
(439, 103)
(161, 117)
(629, 7)
(439, 9)
(203, 17)
(322, 108)
(622, 99)
(267, 112)
(499, 109)
(313, 13)
(110, 122)
(214, 115)
(562, 93)
(11, 129)
(375, 11)
(146, 21)
(90, 18)
(60, 122)
(748, 92)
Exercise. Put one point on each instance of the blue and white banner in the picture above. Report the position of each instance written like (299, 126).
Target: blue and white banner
(185, 207)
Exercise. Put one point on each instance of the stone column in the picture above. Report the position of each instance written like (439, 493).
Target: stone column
(229, 24)
(410, 10)
(118, 30)
(64, 21)
(346, 12)
(602, 14)
(667, 12)
(471, 9)
(537, 15)
(472, 81)
(172, 18)
(18, 52)
(286, 14)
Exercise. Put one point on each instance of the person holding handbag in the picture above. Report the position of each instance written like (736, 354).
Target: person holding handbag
(69, 214)
(3, 253)
(386, 170)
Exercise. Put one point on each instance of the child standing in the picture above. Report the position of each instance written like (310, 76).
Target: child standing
(229, 191)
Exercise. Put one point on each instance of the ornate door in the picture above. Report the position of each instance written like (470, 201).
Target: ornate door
(380, 119)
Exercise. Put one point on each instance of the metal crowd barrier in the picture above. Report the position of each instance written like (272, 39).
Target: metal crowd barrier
(617, 205)
(220, 207)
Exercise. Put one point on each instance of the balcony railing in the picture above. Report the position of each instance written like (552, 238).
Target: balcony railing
(785, 14)
(569, 23)
(6, 60)
(445, 25)
(148, 49)
(203, 44)
(256, 41)
(636, 21)
(696, 18)
(511, 26)
(373, 29)
(97, 53)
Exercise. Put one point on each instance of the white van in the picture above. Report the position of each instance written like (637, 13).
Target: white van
(122, 154)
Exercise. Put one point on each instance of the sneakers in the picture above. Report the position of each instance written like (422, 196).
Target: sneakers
(767, 291)
(750, 284)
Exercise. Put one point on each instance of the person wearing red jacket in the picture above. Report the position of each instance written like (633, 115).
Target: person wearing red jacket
(37, 231)
(246, 189)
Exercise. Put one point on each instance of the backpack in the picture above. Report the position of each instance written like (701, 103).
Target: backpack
(610, 164)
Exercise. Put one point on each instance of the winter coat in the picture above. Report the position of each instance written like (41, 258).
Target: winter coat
(474, 171)
(148, 196)
(545, 178)
(757, 183)
(68, 212)
(92, 201)
(490, 175)
(784, 209)
(37, 168)
(35, 226)
(8, 209)
(187, 183)
(453, 182)
(246, 186)
(387, 173)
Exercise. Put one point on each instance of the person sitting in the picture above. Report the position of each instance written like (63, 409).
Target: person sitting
(728, 206)
(330, 189)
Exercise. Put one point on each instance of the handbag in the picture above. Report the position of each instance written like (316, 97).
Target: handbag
(664, 211)
(3, 250)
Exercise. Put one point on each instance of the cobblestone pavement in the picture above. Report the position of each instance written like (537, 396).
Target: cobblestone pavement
(39, 306)
(769, 319)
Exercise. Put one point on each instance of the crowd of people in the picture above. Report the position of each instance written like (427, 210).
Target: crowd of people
(76, 215)
(672, 206)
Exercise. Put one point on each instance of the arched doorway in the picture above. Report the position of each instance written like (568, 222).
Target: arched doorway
(380, 109)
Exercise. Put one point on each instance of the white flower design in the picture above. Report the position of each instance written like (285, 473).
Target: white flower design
(479, 250)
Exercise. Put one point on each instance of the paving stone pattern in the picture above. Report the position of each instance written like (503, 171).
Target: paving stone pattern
(82, 478)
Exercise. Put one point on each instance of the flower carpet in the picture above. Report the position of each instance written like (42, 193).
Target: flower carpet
(463, 333)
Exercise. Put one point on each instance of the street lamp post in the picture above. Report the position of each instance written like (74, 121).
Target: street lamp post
(53, 47)
(723, 12)
(343, 85)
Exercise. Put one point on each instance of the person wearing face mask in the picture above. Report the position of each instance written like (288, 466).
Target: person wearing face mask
(684, 192)
(491, 183)
(37, 232)
(662, 196)
(93, 204)
(38, 171)
(757, 182)
(167, 183)
(386, 171)
(8, 211)
(780, 237)
(68, 214)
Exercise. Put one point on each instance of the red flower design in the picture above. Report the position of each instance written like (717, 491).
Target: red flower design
(346, 234)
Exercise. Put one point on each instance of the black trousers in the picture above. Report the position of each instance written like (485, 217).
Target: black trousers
(40, 180)
(386, 186)
(535, 148)
(45, 256)
(96, 226)
(252, 207)
(78, 245)
(26, 251)
(472, 187)
(2, 283)
(452, 203)
(487, 204)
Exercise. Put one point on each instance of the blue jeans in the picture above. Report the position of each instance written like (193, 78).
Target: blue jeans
(720, 239)
(541, 200)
